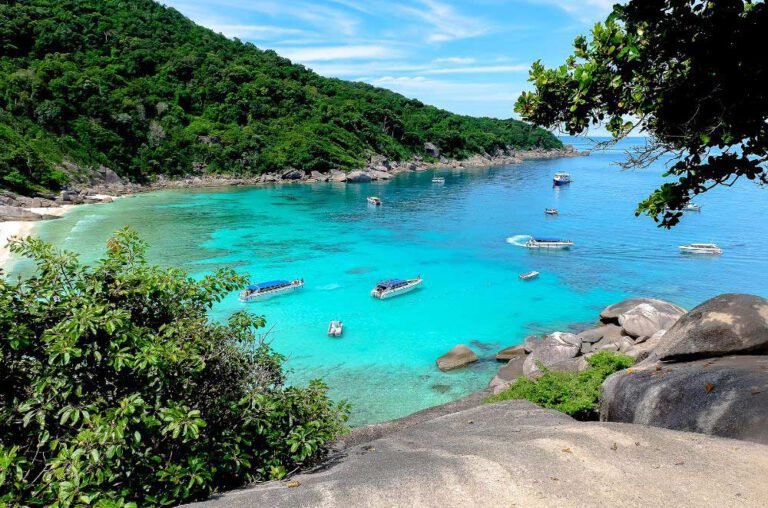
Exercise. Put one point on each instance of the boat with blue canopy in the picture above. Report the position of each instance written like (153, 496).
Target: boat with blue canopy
(264, 290)
(395, 287)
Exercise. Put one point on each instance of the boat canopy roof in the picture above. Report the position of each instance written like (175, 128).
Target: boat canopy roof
(540, 239)
(386, 284)
(562, 173)
(267, 285)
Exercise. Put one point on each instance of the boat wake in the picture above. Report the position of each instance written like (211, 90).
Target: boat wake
(518, 240)
(329, 287)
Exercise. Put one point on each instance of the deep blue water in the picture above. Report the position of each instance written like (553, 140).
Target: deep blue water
(454, 235)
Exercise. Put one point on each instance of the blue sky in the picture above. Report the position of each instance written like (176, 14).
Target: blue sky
(470, 57)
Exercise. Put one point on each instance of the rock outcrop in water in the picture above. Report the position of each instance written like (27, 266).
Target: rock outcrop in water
(459, 356)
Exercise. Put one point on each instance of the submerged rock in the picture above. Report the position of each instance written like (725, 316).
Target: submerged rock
(459, 356)
(509, 353)
(725, 396)
(726, 324)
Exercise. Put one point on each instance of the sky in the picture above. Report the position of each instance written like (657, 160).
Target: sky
(467, 56)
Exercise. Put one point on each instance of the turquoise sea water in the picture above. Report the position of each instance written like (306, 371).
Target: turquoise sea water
(455, 236)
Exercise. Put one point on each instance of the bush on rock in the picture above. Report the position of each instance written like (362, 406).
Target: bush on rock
(573, 393)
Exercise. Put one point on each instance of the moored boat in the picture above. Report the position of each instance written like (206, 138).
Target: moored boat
(700, 248)
(264, 290)
(548, 243)
(335, 329)
(438, 179)
(373, 200)
(529, 275)
(395, 287)
(692, 207)
(561, 178)
(551, 211)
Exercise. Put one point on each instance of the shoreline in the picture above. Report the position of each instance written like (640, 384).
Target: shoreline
(23, 229)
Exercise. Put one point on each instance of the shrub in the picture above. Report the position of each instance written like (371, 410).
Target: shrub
(116, 389)
(573, 393)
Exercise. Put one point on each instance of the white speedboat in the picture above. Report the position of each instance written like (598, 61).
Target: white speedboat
(700, 248)
(692, 207)
(264, 290)
(395, 287)
(529, 275)
(438, 179)
(551, 211)
(548, 243)
(335, 329)
(373, 200)
(561, 178)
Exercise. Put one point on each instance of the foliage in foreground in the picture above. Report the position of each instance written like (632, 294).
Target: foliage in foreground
(573, 393)
(137, 87)
(687, 72)
(115, 388)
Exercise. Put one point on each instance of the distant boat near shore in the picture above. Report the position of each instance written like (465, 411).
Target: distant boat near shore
(438, 179)
(561, 178)
(373, 200)
(529, 275)
(551, 211)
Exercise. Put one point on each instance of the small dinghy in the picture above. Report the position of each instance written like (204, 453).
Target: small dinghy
(692, 207)
(529, 275)
(395, 287)
(551, 211)
(335, 329)
(373, 200)
(438, 179)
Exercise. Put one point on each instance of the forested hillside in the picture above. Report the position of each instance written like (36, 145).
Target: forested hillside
(139, 88)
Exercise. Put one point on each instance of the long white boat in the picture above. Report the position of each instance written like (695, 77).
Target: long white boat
(438, 179)
(548, 243)
(700, 248)
(265, 290)
(395, 287)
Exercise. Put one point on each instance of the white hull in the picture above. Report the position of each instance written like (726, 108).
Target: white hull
(695, 250)
(266, 295)
(390, 293)
(549, 245)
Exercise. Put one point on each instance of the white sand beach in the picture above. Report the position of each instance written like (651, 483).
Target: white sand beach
(22, 229)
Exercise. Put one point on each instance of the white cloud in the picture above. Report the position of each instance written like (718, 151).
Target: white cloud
(331, 53)
(255, 32)
(481, 69)
(458, 60)
(446, 23)
(584, 10)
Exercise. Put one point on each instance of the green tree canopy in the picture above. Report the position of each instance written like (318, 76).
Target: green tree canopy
(137, 87)
(116, 389)
(692, 74)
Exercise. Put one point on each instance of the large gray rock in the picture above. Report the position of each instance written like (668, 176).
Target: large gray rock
(507, 374)
(292, 174)
(552, 349)
(516, 454)
(641, 350)
(509, 353)
(530, 343)
(338, 176)
(604, 337)
(726, 324)
(320, 177)
(645, 319)
(431, 150)
(725, 396)
(358, 177)
(611, 313)
(15, 213)
(459, 356)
